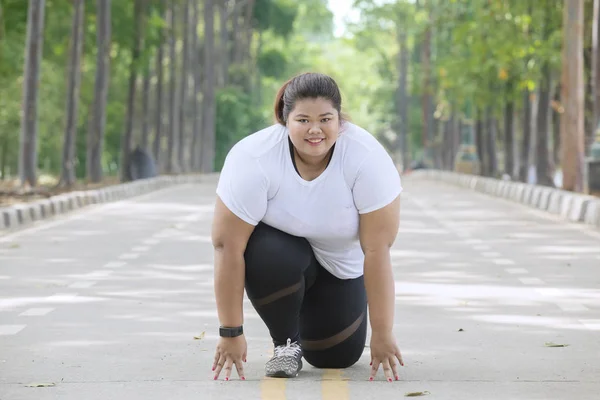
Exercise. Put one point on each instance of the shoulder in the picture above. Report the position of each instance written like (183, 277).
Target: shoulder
(259, 144)
(359, 146)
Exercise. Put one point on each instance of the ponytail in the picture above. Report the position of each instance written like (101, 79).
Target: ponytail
(280, 104)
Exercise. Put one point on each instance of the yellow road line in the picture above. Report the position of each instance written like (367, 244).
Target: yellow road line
(334, 387)
(272, 388)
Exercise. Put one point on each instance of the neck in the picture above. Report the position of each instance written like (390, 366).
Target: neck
(313, 163)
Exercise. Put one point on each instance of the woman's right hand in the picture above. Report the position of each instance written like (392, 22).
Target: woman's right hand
(230, 351)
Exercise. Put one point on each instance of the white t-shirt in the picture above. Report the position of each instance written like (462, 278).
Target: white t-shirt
(258, 182)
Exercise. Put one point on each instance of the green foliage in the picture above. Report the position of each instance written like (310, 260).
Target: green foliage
(237, 117)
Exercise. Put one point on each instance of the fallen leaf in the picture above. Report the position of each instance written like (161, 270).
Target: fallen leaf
(40, 385)
(14, 246)
(550, 344)
(461, 330)
(416, 394)
(201, 336)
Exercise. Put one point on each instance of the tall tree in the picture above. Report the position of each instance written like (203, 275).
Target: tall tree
(29, 120)
(208, 98)
(97, 127)
(73, 86)
(572, 95)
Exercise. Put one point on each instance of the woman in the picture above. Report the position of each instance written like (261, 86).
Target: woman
(306, 213)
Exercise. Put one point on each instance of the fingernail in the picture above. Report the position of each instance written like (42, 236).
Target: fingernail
(371, 378)
(226, 378)
(213, 368)
(371, 363)
(243, 378)
(397, 377)
(215, 378)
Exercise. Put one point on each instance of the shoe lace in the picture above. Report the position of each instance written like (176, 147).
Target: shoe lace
(290, 349)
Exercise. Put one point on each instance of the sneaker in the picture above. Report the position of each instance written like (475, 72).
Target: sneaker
(286, 361)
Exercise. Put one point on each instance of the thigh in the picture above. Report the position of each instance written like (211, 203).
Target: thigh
(333, 321)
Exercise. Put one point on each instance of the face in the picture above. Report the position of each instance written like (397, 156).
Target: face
(314, 127)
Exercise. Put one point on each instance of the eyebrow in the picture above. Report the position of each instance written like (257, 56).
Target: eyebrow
(322, 115)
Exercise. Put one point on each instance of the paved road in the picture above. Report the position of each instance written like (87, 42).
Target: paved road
(106, 304)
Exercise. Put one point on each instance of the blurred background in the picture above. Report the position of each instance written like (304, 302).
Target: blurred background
(501, 88)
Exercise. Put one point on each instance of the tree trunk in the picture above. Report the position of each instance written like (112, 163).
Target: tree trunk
(404, 99)
(509, 132)
(556, 117)
(158, 123)
(96, 131)
(146, 109)
(126, 139)
(223, 42)
(235, 55)
(479, 142)
(526, 140)
(170, 166)
(490, 144)
(183, 88)
(29, 120)
(595, 71)
(572, 95)
(208, 102)
(426, 92)
(74, 78)
(195, 150)
(543, 173)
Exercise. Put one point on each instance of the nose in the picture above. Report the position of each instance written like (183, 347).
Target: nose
(315, 129)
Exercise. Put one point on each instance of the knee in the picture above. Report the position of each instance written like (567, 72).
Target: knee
(330, 360)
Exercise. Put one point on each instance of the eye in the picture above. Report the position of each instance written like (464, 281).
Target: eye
(303, 120)
(326, 120)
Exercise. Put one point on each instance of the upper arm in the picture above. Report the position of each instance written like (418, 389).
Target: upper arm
(376, 193)
(241, 200)
(378, 229)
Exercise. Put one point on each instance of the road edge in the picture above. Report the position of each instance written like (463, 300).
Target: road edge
(24, 214)
(572, 207)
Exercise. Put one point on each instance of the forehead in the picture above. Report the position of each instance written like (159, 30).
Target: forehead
(313, 106)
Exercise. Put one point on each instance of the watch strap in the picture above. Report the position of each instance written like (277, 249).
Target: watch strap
(225, 331)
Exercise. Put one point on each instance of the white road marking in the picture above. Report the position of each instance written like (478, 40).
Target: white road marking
(140, 249)
(516, 271)
(550, 292)
(481, 247)
(571, 306)
(82, 285)
(532, 281)
(490, 254)
(151, 242)
(128, 256)
(11, 329)
(474, 241)
(591, 324)
(114, 264)
(35, 312)
(61, 297)
(503, 261)
(4, 277)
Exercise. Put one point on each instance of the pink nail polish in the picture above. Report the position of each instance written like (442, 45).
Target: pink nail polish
(389, 379)
(243, 378)
(226, 378)
(215, 378)
(371, 378)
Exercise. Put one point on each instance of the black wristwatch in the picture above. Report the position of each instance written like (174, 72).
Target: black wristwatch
(231, 332)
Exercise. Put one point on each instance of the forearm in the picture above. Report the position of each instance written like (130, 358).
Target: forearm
(229, 287)
(379, 283)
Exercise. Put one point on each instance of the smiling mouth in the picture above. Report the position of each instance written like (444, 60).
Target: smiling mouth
(315, 140)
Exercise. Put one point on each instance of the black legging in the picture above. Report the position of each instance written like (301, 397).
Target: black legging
(298, 299)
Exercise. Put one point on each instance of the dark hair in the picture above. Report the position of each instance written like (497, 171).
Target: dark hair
(306, 86)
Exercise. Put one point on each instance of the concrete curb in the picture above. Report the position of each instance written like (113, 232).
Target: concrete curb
(573, 207)
(22, 214)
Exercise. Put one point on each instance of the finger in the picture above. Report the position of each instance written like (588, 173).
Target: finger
(387, 369)
(228, 367)
(216, 360)
(219, 367)
(240, 369)
(394, 366)
(399, 357)
(374, 368)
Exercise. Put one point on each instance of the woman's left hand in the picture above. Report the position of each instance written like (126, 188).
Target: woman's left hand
(384, 351)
